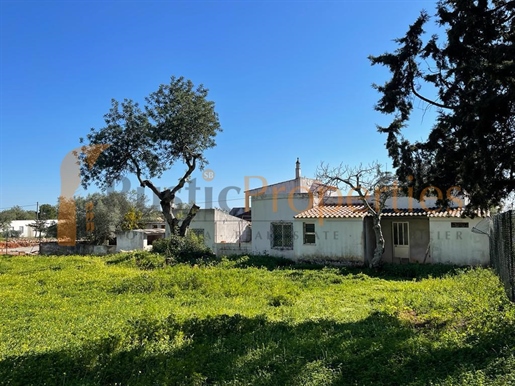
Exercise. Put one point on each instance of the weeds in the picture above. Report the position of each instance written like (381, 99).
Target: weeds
(133, 319)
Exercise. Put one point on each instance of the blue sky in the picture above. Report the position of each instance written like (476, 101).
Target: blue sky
(289, 79)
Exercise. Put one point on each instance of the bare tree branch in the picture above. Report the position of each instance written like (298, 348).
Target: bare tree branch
(370, 178)
(191, 163)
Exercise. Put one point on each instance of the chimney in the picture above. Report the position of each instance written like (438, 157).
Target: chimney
(297, 169)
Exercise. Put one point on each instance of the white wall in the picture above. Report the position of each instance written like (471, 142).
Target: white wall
(336, 239)
(458, 245)
(23, 226)
(267, 209)
(225, 249)
(131, 240)
(230, 229)
(285, 188)
(205, 219)
(220, 227)
(27, 231)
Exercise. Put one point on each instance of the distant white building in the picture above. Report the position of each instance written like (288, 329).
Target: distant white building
(22, 228)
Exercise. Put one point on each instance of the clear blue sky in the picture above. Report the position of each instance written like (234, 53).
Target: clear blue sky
(289, 78)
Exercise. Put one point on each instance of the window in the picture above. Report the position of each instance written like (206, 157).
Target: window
(20, 229)
(198, 232)
(282, 235)
(309, 234)
(459, 224)
(400, 233)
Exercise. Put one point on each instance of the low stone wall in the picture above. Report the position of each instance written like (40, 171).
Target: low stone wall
(53, 248)
(228, 249)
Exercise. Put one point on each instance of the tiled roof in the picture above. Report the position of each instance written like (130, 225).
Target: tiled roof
(334, 211)
(428, 212)
(360, 211)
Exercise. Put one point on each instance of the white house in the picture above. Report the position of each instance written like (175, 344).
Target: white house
(411, 235)
(296, 219)
(22, 227)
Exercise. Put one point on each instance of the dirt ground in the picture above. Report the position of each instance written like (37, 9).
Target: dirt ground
(19, 247)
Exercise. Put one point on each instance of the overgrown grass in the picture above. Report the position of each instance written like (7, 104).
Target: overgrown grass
(131, 320)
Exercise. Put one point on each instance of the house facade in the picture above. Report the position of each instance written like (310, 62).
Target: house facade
(297, 219)
(415, 235)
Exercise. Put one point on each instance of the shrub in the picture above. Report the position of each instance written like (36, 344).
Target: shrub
(188, 249)
(147, 260)
(11, 234)
(141, 259)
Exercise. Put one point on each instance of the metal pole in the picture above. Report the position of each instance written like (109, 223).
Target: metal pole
(511, 257)
(37, 218)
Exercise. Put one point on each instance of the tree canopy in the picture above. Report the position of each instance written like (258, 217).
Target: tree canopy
(98, 217)
(17, 213)
(177, 124)
(467, 74)
(47, 211)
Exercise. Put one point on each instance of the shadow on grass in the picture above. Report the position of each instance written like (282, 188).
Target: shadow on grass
(386, 271)
(146, 260)
(379, 350)
(410, 271)
(263, 261)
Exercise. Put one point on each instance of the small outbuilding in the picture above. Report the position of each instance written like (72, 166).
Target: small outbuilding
(221, 232)
(137, 239)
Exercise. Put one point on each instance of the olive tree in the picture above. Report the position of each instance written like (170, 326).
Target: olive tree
(177, 124)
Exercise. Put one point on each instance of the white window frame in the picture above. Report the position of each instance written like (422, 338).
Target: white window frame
(309, 234)
(400, 233)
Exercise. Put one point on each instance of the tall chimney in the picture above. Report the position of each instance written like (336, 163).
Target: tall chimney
(297, 169)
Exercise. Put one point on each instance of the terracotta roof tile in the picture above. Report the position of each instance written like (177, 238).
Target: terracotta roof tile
(334, 211)
(359, 211)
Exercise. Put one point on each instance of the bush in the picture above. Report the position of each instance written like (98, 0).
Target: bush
(11, 234)
(141, 259)
(188, 249)
(147, 260)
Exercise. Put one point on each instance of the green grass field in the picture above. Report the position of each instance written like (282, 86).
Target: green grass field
(125, 320)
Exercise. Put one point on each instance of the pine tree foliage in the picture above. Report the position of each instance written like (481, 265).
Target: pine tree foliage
(467, 74)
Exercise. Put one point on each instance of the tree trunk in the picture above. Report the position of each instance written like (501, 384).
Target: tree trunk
(186, 222)
(171, 220)
(167, 197)
(379, 250)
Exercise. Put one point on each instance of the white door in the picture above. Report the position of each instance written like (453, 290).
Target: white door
(401, 240)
